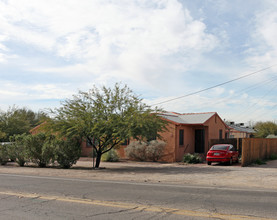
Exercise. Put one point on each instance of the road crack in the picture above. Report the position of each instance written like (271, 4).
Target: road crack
(113, 212)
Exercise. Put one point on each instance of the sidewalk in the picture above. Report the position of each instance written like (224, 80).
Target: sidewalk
(264, 176)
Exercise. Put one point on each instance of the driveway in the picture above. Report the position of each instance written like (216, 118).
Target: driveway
(264, 176)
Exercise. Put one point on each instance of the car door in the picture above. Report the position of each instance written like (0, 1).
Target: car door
(233, 152)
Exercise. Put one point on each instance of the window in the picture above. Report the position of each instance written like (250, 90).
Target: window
(219, 147)
(181, 137)
(126, 142)
(152, 138)
(220, 134)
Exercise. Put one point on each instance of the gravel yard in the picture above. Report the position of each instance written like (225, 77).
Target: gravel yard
(264, 176)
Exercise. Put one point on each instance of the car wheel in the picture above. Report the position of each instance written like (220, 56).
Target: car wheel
(209, 163)
(231, 161)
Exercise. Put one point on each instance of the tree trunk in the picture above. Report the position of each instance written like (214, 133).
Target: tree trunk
(98, 160)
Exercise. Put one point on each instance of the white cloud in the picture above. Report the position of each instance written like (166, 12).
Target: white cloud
(10, 91)
(263, 46)
(121, 39)
(155, 46)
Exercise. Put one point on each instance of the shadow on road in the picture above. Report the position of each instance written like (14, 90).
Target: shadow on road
(167, 170)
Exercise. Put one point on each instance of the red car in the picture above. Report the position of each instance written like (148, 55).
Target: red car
(222, 153)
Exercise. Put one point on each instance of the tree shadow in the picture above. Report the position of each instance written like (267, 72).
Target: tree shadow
(166, 170)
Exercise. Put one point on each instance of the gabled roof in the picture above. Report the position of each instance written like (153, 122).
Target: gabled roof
(189, 118)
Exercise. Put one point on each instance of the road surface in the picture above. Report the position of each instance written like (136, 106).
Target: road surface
(37, 197)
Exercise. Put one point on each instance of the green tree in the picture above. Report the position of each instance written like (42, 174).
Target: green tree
(106, 117)
(18, 121)
(263, 129)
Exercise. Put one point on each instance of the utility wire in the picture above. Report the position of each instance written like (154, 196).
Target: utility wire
(193, 93)
(247, 89)
(250, 108)
(271, 109)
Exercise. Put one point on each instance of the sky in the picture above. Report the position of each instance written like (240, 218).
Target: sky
(162, 49)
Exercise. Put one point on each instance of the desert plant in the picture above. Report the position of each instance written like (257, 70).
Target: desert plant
(110, 156)
(192, 158)
(145, 151)
(154, 150)
(136, 150)
(17, 149)
(67, 152)
(4, 158)
(105, 117)
(40, 148)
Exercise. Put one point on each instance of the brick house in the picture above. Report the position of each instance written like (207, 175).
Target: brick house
(186, 133)
(189, 133)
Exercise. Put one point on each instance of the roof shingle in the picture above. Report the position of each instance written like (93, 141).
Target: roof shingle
(190, 118)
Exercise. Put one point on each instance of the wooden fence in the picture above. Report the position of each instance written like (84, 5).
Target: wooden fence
(257, 148)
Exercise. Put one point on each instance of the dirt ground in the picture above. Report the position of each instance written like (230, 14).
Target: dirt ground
(263, 176)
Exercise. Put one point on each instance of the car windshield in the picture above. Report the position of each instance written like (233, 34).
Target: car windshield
(219, 147)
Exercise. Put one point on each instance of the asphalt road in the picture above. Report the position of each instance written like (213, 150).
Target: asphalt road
(34, 197)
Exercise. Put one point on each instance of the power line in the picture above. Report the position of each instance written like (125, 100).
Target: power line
(250, 107)
(202, 90)
(247, 89)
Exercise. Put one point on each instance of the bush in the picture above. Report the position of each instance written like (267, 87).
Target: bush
(273, 157)
(17, 150)
(192, 158)
(260, 162)
(40, 148)
(154, 150)
(142, 151)
(136, 151)
(4, 158)
(110, 156)
(67, 152)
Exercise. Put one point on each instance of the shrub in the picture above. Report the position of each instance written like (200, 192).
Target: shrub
(67, 152)
(4, 158)
(145, 151)
(17, 150)
(192, 158)
(110, 156)
(136, 150)
(154, 150)
(40, 149)
(273, 157)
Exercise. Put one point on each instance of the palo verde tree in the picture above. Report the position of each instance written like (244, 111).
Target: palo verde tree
(106, 117)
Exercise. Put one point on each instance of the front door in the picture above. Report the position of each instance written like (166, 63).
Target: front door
(199, 141)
